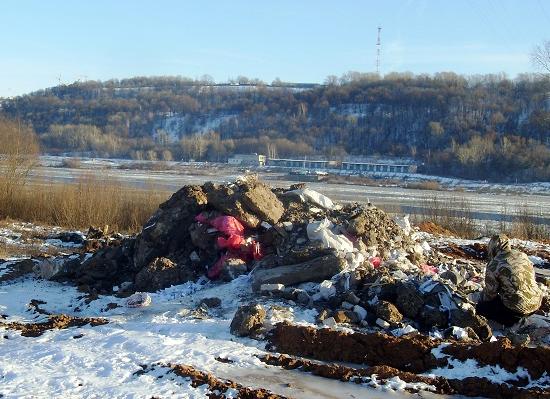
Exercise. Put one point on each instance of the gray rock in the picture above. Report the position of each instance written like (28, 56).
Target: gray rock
(211, 302)
(248, 320)
(315, 270)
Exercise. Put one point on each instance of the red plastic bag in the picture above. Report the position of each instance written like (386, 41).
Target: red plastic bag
(224, 224)
(233, 242)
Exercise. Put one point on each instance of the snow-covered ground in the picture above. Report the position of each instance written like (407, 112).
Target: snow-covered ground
(101, 361)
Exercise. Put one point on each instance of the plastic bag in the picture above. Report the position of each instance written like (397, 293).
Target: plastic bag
(233, 242)
(321, 231)
(312, 196)
(224, 224)
(214, 271)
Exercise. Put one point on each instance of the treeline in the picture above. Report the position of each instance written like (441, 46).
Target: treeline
(477, 127)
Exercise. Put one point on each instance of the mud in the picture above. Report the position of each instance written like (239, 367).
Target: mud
(502, 352)
(55, 322)
(409, 353)
(473, 386)
(217, 386)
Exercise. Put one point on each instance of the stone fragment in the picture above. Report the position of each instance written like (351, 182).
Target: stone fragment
(409, 301)
(360, 311)
(213, 302)
(387, 311)
(433, 317)
(272, 288)
(315, 270)
(159, 274)
(465, 318)
(248, 320)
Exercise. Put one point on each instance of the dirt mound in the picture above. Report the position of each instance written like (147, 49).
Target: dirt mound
(55, 322)
(211, 226)
(408, 353)
(472, 386)
(502, 352)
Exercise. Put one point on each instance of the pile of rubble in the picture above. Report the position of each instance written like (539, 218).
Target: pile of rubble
(353, 263)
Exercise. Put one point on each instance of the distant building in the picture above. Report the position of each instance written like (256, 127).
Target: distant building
(299, 163)
(247, 160)
(378, 167)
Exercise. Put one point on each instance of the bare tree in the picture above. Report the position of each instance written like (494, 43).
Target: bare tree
(541, 56)
(18, 156)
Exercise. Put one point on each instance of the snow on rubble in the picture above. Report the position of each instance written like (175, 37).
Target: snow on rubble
(240, 281)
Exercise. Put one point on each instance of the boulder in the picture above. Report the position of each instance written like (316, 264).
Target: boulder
(261, 201)
(387, 311)
(409, 301)
(248, 320)
(467, 318)
(315, 270)
(158, 274)
(433, 317)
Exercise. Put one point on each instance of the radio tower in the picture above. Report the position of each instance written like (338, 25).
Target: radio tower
(378, 51)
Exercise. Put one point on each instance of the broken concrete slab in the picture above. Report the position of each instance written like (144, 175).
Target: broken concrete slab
(314, 270)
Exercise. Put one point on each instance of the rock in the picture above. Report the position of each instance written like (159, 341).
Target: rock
(327, 289)
(138, 300)
(233, 268)
(272, 288)
(345, 316)
(159, 274)
(464, 318)
(70, 236)
(303, 297)
(248, 320)
(262, 202)
(433, 317)
(329, 322)
(315, 270)
(387, 311)
(323, 314)
(360, 312)
(347, 305)
(382, 323)
(352, 298)
(56, 268)
(211, 302)
(409, 301)
(519, 339)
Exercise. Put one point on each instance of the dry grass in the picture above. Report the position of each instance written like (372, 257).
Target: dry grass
(91, 201)
(425, 185)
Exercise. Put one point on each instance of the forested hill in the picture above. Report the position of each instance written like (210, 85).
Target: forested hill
(483, 127)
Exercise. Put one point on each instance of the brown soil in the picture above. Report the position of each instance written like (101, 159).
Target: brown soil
(218, 386)
(408, 353)
(502, 352)
(57, 322)
(475, 251)
(472, 386)
(432, 228)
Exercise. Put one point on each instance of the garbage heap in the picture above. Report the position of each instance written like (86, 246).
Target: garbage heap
(287, 236)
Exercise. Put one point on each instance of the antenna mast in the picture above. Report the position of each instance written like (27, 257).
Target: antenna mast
(378, 45)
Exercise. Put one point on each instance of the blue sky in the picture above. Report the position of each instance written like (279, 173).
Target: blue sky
(303, 41)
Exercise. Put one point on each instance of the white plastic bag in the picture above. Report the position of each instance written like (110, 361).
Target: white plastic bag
(321, 231)
(312, 196)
